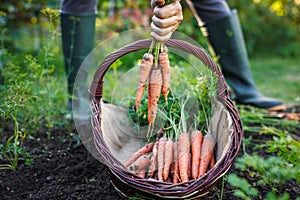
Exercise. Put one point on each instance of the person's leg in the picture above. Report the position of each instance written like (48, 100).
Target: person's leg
(226, 38)
(78, 30)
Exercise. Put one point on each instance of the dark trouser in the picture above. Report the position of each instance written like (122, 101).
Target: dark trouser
(211, 10)
(78, 29)
(79, 6)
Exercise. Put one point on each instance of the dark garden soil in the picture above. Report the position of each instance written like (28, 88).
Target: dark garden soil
(63, 169)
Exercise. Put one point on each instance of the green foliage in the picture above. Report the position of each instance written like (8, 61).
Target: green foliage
(270, 25)
(32, 98)
(278, 31)
(283, 144)
(13, 148)
(279, 165)
(245, 190)
(188, 105)
(272, 172)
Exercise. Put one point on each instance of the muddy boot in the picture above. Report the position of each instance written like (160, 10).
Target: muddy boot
(77, 41)
(226, 38)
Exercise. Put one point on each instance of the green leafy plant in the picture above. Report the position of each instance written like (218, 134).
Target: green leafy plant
(16, 96)
(245, 190)
(272, 172)
(31, 98)
(283, 144)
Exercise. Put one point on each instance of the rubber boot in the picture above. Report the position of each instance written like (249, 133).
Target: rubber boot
(226, 38)
(78, 33)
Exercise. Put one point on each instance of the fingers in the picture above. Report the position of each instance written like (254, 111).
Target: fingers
(166, 20)
(157, 3)
(161, 38)
(162, 34)
(169, 10)
(160, 2)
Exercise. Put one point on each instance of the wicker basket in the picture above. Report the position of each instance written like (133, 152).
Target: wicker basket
(128, 184)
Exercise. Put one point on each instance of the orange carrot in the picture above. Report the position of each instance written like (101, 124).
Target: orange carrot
(160, 2)
(141, 163)
(141, 173)
(196, 141)
(164, 64)
(212, 162)
(144, 150)
(168, 158)
(145, 68)
(207, 150)
(183, 156)
(154, 89)
(159, 133)
(190, 166)
(160, 157)
(153, 161)
(175, 167)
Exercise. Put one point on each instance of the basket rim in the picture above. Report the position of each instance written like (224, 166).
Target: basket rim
(96, 89)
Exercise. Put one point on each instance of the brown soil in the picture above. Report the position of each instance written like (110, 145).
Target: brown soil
(63, 169)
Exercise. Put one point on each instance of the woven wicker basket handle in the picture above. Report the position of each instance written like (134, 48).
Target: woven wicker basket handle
(96, 87)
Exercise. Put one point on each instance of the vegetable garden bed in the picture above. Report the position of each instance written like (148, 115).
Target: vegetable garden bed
(63, 169)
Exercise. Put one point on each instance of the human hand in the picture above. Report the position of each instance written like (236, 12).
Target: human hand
(166, 19)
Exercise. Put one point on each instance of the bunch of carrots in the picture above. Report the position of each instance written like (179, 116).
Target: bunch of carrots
(188, 158)
(154, 69)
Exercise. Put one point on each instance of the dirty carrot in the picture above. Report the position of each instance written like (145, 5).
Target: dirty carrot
(159, 133)
(207, 150)
(154, 89)
(144, 150)
(160, 157)
(168, 158)
(212, 162)
(196, 141)
(153, 161)
(160, 3)
(141, 173)
(164, 64)
(140, 163)
(145, 68)
(190, 166)
(183, 156)
(175, 167)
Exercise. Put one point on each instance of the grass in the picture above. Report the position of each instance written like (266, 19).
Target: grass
(278, 77)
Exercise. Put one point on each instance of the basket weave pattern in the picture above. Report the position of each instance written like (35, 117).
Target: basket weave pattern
(127, 183)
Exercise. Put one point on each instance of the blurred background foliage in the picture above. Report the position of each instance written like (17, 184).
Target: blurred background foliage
(270, 26)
